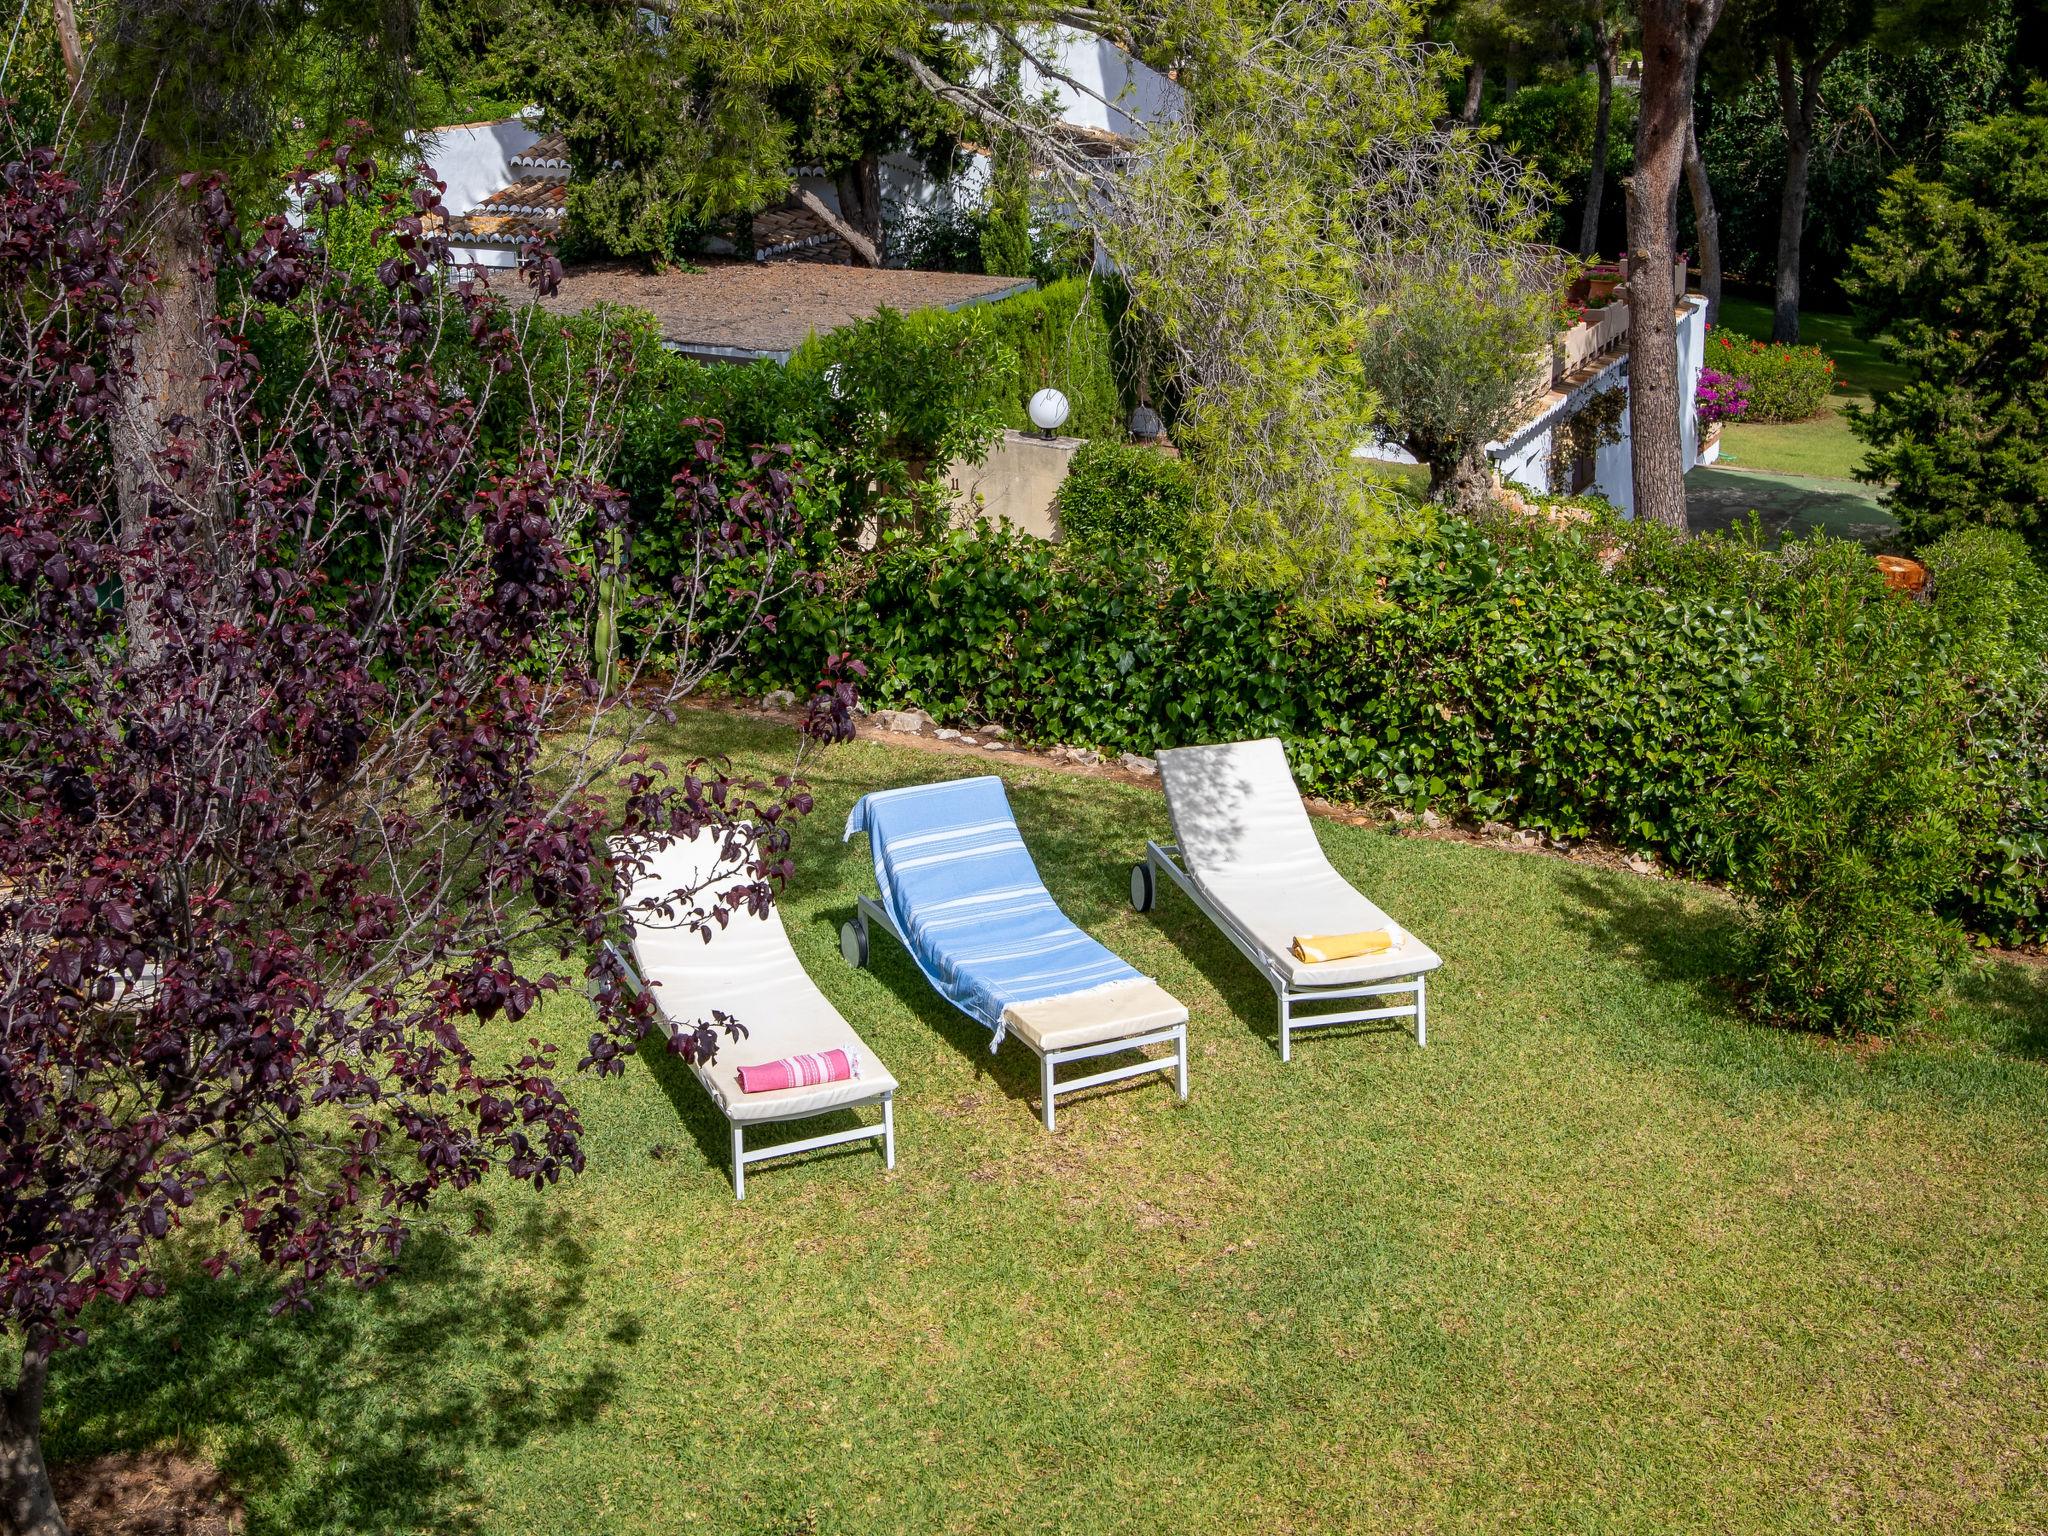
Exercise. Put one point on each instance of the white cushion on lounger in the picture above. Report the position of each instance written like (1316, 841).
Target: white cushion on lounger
(1101, 1013)
(749, 971)
(1246, 840)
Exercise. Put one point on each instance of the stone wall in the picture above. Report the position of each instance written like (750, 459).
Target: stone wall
(1016, 483)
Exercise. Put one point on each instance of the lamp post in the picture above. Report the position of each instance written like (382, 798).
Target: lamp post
(1048, 409)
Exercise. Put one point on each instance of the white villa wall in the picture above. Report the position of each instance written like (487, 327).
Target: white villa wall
(1524, 459)
(1127, 96)
(475, 159)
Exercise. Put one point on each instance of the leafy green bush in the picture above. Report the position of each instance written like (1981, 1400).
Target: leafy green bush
(1785, 383)
(1850, 806)
(1991, 607)
(1127, 496)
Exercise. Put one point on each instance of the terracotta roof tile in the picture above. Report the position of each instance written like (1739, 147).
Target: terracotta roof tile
(548, 155)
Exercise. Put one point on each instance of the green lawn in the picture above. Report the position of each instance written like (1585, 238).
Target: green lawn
(1860, 368)
(1824, 447)
(1603, 1258)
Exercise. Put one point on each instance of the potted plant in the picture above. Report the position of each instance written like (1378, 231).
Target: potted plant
(1601, 280)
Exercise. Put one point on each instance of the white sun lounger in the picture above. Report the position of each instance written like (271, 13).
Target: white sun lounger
(1248, 857)
(748, 970)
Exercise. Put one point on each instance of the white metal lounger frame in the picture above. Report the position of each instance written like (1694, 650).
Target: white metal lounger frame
(853, 944)
(1165, 857)
(741, 1156)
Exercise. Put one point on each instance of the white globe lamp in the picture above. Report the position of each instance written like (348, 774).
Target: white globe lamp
(1048, 410)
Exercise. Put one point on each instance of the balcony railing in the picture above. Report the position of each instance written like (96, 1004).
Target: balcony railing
(1598, 333)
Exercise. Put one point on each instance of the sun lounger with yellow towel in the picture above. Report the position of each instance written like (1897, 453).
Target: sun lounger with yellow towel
(1246, 854)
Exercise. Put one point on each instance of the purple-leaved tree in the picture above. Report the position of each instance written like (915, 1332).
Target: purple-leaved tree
(308, 780)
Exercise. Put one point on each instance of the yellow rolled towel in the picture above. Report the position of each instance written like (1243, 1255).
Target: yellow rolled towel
(1313, 948)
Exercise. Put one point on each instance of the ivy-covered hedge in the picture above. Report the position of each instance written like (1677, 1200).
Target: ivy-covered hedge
(1509, 671)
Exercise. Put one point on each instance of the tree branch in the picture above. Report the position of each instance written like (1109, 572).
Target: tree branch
(67, 39)
(863, 247)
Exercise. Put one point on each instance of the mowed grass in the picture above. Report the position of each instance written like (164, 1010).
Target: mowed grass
(1823, 447)
(1603, 1258)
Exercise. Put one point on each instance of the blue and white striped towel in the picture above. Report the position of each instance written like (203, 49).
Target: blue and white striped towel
(959, 884)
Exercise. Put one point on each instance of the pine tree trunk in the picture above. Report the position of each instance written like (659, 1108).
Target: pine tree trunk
(1596, 178)
(1475, 91)
(1674, 32)
(28, 1504)
(1706, 219)
(1799, 104)
(860, 201)
(166, 398)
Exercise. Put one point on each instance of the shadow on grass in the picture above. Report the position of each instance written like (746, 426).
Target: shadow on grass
(1654, 926)
(712, 1132)
(364, 1377)
(2012, 998)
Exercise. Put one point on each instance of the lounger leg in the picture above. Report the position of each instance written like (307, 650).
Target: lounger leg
(1286, 1048)
(1180, 1074)
(739, 1162)
(1045, 1087)
(1421, 1011)
(889, 1129)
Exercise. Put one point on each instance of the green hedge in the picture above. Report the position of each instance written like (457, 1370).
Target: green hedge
(1058, 335)
(1507, 674)
(1785, 383)
(1127, 496)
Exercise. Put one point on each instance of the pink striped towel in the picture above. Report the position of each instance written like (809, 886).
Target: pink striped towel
(805, 1071)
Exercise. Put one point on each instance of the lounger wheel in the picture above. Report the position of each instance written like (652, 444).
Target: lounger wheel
(853, 942)
(1143, 889)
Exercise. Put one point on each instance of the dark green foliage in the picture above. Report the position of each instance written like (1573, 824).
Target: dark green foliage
(1510, 674)
(1954, 276)
(1991, 610)
(1881, 108)
(1128, 496)
(221, 87)
(1551, 127)
(1785, 383)
(1505, 675)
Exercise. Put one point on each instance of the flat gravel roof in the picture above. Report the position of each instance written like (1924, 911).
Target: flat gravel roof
(768, 309)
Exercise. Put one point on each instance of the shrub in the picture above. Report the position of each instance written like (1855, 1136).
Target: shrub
(1850, 808)
(1951, 276)
(1785, 383)
(1991, 604)
(1126, 496)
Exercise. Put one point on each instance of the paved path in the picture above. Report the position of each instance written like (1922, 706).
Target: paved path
(1790, 506)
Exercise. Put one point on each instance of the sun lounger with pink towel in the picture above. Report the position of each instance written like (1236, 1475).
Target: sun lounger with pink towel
(749, 971)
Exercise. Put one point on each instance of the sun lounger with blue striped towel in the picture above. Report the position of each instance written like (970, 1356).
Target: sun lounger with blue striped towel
(959, 890)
